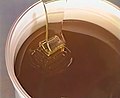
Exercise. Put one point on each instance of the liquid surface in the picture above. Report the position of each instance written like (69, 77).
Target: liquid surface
(94, 72)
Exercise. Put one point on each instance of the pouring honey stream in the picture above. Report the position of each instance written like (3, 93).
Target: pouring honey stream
(53, 48)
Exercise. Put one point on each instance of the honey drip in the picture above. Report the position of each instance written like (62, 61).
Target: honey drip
(52, 54)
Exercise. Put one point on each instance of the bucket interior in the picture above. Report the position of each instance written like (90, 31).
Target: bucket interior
(97, 11)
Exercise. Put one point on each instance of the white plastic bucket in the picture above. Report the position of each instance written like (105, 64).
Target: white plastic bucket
(100, 12)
